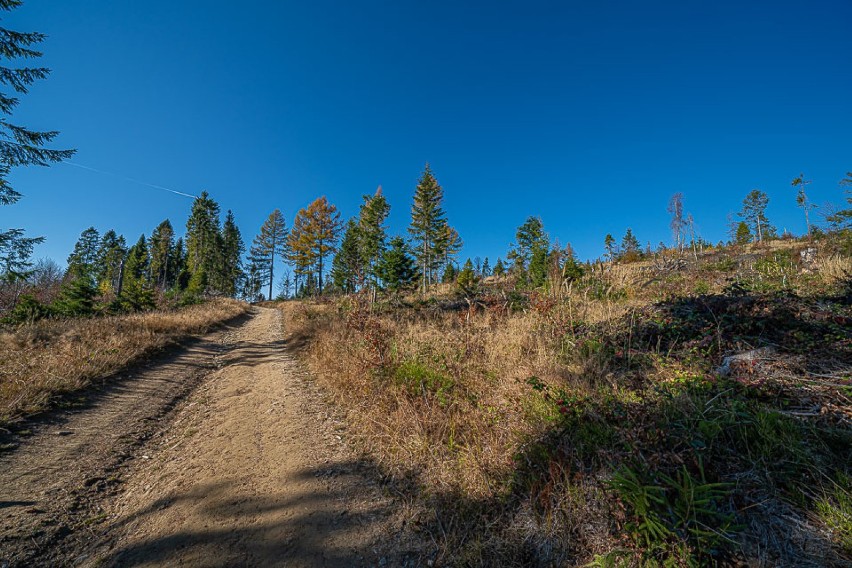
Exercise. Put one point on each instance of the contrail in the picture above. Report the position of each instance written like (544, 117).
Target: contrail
(125, 178)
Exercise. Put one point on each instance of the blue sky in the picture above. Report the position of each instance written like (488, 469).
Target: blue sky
(589, 114)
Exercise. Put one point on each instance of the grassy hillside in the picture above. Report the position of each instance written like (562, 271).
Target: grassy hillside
(680, 411)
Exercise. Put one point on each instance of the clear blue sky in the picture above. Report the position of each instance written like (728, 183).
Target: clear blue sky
(589, 114)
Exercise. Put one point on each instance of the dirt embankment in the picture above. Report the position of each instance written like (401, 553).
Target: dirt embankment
(220, 455)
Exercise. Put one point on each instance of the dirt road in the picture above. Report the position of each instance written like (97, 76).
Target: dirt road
(220, 455)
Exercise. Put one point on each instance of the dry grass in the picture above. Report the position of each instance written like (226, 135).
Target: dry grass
(514, 427)
(38, 362)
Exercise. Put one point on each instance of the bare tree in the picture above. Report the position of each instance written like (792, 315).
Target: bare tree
(678, 223)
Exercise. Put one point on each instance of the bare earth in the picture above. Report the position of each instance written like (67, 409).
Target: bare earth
(221, 454)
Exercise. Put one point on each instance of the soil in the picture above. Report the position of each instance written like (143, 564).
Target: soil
(221, 453)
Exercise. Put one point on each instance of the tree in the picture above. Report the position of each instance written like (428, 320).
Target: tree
(840, 219)
(346, 268)
(371, 234)
(486, 268)
(449, 275)
(83, 259)
(529, 252)
(160, 246)
(467, 281)
(499, 268)
(19, 146)
(202, 240)
(631, 250)
(268, 245)
(230, 260)
(743, 234)
(678, 223)
(396, 269)
(112, 251)
(314, 236)
(448, 245)
(754, 213)
(610, 247)
(428, 223)
(802, 198)
(136, 291)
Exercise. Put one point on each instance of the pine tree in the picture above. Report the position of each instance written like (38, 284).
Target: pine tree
(268, 245)
(230, 271)
(754, 214)
(348, 263)
(82, 261)
(371, 233)
(160, 246)
(19, 146)
(428, 222)
(203, 241)
(396, 269)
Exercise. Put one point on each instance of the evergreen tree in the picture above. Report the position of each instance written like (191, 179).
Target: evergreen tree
(76, 297)
(19, 146)
(82, 261)
(136, 291)
(486, 268)
(396, 269)
(268, 245)
(230, 270)
(371, 233)
(754, 214)
(499, 268)
(346, 268)
(448, 245)
(467, 281)
(110, 260)
(428, 224)
(450, 274)
(179, 265)
(202, 242)
(631, 249)
(529, 253)
(743, 234)
(160, 246)
(840, 219)
(610, 247)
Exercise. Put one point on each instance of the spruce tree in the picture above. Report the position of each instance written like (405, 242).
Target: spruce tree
(449, 276)
(529, 253)
(371, 234)
(486, 268)
(19, 146)
(802, 199)
(610, 247)
(396, 269)
(160, 246)
(499, 268)
(427, 224)
(203, 241)
(136, 290)
(230, 271)
(743, 234)
(467, 281)
(268, 245)
(112, 251)
(348, 263)
(83, 259)
(631, 249)
(754, 214)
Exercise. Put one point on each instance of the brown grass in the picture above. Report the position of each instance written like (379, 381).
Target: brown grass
(40, 361)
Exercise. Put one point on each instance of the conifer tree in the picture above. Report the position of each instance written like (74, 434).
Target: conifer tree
(467, 281)
(180, 269)
(754, 214)
(743, 234)
(529, 253)
(314, 236)
(449, 275)
(499, 268)
(371, 233)
(448, 245)
(19, 146)
(631, 249)
(202, 240)
(486, 268)
(396, 269)
(346, 268)
(136, 291)
(840, 219)
(802, 199)
(83, 259)
(112, 251)
(230, 270)
(427, 224)
(268, 245)
(160, 246)
(610, 247)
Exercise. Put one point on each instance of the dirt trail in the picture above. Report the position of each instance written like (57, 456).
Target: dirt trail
(248, 470)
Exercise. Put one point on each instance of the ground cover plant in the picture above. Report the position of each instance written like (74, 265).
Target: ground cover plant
(672, 412)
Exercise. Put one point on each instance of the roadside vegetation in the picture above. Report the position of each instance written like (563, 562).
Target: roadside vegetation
(44, 361)
(680, 408)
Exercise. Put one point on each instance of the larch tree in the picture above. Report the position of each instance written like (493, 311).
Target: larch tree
(427, 223)
(268, 245)
(19, 146)
(324, 228)
(800, 183)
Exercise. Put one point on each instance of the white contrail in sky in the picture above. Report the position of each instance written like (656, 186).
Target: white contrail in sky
(129, 179)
